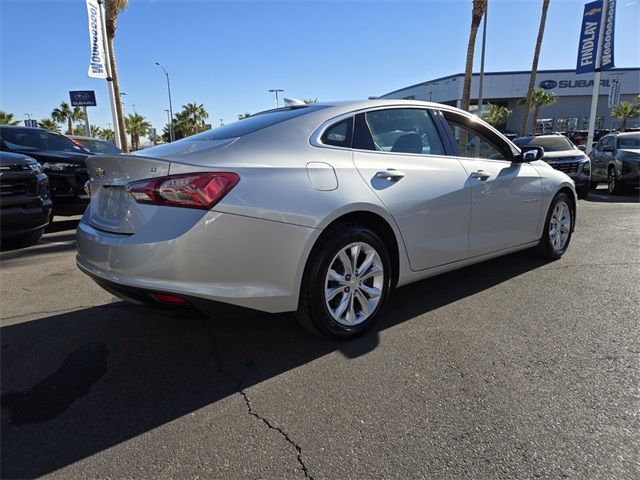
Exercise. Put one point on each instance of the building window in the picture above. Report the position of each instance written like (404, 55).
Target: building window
(599, 123)
(572, 124)
(544, 125)
(561, 124)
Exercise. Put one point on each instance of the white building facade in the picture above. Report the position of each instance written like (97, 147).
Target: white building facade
(569, 113)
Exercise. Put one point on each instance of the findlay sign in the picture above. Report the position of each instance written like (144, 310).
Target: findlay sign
(590, 37)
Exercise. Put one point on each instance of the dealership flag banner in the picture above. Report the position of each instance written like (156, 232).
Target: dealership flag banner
(593, 20)
(97, 61)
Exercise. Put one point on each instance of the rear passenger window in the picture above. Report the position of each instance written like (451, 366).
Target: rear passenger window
(340, 134)
(404, 130)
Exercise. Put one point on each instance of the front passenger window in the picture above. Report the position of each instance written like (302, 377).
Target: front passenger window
(473, 145)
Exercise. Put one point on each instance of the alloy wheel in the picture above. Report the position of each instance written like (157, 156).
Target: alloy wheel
(354, 283)
(560, 226)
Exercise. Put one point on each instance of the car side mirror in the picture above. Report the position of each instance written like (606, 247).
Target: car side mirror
(582, 148)
(529, 154)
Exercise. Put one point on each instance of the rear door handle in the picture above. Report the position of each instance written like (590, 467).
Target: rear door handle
(390, 174)
(480, 175)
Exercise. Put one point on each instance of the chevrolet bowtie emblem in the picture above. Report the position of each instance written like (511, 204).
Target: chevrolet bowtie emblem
(100, 173)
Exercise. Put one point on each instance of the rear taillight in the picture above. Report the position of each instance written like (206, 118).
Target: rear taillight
(192, 190)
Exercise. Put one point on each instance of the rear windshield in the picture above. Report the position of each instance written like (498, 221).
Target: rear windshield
(550, 144)
(27, 140)
(254, 123)
(629, 141)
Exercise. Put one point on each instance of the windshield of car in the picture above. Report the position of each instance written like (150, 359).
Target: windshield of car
(629, 141)
(99, 146)
(255, 123)
(556, 143)
(25, 139)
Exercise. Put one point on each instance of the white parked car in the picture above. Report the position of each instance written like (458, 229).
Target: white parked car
(320, 209)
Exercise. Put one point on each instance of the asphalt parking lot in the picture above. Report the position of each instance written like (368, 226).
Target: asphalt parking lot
(514, 368)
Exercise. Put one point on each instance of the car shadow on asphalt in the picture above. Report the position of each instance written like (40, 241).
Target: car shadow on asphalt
(602, 196)
(77, 383)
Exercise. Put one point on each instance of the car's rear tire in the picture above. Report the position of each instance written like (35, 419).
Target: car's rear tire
(558, 228)
(346, 282)
(613, 185)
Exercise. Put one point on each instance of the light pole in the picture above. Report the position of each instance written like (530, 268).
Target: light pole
(276, 90)
(484, 41)
(122, 94)
(171, 134)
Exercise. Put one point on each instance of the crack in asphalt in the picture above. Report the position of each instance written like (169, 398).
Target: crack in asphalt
(247, 401)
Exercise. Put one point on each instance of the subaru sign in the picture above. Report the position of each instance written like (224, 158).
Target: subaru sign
(83, 98)
(548, 84)
(589, 34)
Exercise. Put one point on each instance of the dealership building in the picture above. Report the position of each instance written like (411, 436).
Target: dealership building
(573, 103)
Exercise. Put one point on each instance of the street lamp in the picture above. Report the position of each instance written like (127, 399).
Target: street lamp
(276, 90)
(171, 134)
(122, 94)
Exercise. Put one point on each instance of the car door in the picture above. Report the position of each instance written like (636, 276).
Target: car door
(602, 155)
(399, 152)
(506, 196)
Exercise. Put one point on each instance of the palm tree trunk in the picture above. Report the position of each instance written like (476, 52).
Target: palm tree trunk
(534, 67)
(116, 91)
(623, 127)
(535, 120)
(69, 126)
(468, 71)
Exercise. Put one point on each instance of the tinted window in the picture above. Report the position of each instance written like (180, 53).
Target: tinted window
(629, 141)
(606, 143)
(24, 139)
(254, 123)
(474, 145)
(404, 130)
(99, 146)
(475, 140)
(339, 134)
(557, 143)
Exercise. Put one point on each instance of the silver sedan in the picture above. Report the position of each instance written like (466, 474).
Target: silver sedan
(320, 209)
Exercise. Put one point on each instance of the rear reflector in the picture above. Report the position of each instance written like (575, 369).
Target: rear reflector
(168, 298)
(192, 190)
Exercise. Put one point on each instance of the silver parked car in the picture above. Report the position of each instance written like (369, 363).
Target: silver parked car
(320, 209)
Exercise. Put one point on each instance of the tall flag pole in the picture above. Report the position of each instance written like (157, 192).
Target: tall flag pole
(595, 51)
(99, 62)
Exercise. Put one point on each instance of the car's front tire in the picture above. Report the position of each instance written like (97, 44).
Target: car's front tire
(583, 192)
(558, 227)
(346, 282)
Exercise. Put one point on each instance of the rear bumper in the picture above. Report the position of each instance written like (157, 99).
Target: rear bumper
(17, 220)
(242, 261)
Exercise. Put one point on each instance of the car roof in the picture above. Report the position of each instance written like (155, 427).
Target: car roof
(20, 127)
(82, 137)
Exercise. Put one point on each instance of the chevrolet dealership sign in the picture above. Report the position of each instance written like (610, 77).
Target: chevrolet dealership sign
(591, 36)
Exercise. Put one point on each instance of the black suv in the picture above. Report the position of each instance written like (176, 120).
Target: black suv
(25, 205)
(61, 159)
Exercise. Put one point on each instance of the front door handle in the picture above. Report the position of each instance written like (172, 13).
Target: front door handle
(390, 174)
(480, 175)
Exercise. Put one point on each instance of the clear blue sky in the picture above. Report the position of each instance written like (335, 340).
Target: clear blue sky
(228, 54)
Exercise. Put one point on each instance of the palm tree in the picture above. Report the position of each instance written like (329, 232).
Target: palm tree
(540, 98)
(7, 119)
(136, 126)
(309, 101)
(50, 125)
(624, 111)
(108, 135)
(191, 118)
(95, 131)
(113, 8)
(497, 115)
(242, 116)
(64, 113)
(534, 69)
(478, 10)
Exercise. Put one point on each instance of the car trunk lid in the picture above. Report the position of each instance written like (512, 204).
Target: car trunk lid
(112, 208)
